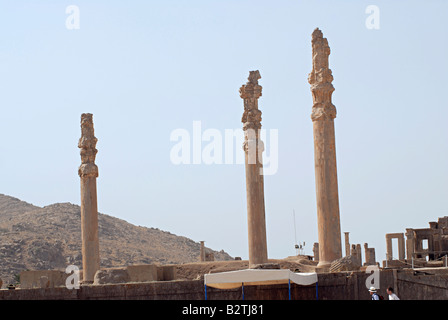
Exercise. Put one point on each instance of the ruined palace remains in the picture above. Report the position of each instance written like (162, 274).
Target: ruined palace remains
(400, 238)
(323, 114)
(369, 255)
(436, 238)
(88, 172)
(423, 247)
(253, 149)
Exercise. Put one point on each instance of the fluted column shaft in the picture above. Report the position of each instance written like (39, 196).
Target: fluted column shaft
(88, 172)
(253, 147)
(323, 114)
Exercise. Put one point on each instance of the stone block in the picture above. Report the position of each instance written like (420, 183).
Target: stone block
(347, 263)
(166, 273)
(136, 273)
(267, 265)
(143, 273)
(42, 279)
(108, 276)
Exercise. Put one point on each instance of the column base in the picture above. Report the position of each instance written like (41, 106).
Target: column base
(323, 267)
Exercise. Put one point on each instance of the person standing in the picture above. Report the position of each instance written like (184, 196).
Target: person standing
(392, 295)
(373, 294)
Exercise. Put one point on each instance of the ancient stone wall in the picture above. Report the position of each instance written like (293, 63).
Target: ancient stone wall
(408, 285)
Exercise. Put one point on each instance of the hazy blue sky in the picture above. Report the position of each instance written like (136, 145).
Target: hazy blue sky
(146, 68)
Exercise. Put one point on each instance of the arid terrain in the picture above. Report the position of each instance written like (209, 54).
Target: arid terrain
(35, 238)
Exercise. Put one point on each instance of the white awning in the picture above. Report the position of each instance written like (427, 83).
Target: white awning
(235, 279)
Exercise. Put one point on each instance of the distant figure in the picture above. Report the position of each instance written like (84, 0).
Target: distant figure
(374, 295)
(392, 295)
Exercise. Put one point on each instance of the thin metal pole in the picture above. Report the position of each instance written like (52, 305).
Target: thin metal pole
(289, 288)
(205, 291)
(295, 231)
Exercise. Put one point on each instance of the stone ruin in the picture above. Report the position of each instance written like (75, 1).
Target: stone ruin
(327, 252)
(369, 255)
(205, 254)
(135, 273)
(323, 114)
(412, 252)
(437, 240)
(352, 261)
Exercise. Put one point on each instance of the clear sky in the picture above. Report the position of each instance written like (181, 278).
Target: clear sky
(147, 68)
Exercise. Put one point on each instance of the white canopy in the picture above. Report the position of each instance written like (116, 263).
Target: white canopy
(234, 279)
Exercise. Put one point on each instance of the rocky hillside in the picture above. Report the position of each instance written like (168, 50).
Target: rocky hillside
(34, 238)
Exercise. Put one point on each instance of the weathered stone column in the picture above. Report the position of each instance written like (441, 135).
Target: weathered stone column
(401, 247)
(323, 114)
(347, 243)
(389, 254)
(253, 147)
(202, 252)
(88, 172)
(359, 251)
(355, 252)
(316, 251)
(370, 255)
(409, 244)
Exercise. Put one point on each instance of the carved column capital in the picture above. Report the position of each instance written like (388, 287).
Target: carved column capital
(321, 79)
(87, 144)
(250, 92)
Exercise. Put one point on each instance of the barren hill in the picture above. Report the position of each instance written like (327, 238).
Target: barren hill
(35, 238)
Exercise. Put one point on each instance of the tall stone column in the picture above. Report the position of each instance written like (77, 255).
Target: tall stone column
(88, 172)
(253, 147)
(323, 114)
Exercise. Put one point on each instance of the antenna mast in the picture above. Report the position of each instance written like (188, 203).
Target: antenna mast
(300, 248)
(296, 246)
